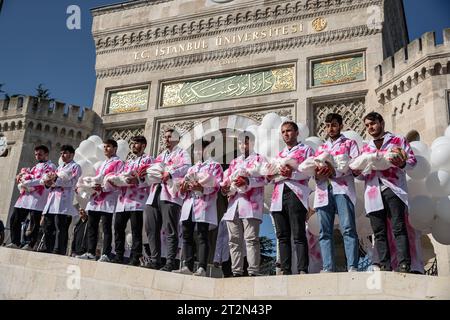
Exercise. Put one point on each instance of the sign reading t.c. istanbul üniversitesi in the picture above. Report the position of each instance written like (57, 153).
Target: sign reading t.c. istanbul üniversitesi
(219, 42)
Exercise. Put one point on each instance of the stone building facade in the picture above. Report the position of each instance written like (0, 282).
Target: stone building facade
(26, 122)
(216, 65)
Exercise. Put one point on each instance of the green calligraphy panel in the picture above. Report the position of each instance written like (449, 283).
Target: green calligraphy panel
(128, 101)
(228, 87)
(342, 70)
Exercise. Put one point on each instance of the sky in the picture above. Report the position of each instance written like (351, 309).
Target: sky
(37, 47)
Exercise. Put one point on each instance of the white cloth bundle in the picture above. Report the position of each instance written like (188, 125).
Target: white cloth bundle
(374, 161)
(204, 179)
(25, 175)
(64, 176)
(85, 186)
(342, 162)
(253, 171)
(154, 173)
(273, 168)
(119, 180)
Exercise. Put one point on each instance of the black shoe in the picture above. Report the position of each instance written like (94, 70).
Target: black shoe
(117, 259)
(152, 265)
(237, 275)
(167, 268)
(134, 262)
(404, 268)
(385, 268)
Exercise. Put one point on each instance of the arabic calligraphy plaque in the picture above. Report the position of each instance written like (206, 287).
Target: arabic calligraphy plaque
(128, 101)
(342, 70)
(229, 87)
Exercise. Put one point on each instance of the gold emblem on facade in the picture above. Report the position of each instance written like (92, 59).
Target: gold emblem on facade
(319, 24)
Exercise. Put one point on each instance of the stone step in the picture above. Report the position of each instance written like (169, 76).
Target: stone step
(31, 275)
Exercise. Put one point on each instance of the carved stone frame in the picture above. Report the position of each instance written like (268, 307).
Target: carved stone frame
(110, 90)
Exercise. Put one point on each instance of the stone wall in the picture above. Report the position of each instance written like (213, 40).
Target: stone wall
(30, 275)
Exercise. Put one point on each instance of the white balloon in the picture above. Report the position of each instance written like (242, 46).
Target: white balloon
(253, 129)
(303, 131)
(440, 156)
(420, 149)
(421, 213)
(312, 145)
(316, 140)
(100, 154)
(438, 183)
(92, 160)
(271, 121)
(440, 231)
(87, 169)
(447, 132)
(78, 157)
(440, 141)
(416, 188)
(123, 149)
(314, 224)
(96, 139)
(420, 170)
(443, 209)
(87, 148)
(354, 136)
(97, 165)
(60, 161)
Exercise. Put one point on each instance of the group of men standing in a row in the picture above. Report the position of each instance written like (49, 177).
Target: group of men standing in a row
(50, 192)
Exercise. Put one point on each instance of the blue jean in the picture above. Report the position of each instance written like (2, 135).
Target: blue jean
(340, 204)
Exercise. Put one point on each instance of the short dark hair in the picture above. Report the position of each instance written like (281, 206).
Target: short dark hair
(374, 116)
(42, 148)
(334, 116)
(111, 142)
(291, 123)
(174, 132)
(68, 148)
(139, 139)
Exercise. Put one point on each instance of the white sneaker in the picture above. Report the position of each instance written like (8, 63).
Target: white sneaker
(86, 256)
(352, 269)
(104, 258)
(12, 246)
(183, 270)
(374, 267)
(325, 271)
(27, 247)
(201, 272)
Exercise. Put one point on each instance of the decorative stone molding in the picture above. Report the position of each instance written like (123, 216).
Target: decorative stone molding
(140, 36)
(277, 45)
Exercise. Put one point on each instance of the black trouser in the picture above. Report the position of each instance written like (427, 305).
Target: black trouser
(93, 222)
(188, 243)
(291, 221)
(120, 224)
(56, 232)
(394, 209)
(153, 223)
(166, 214)
(18, 216)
